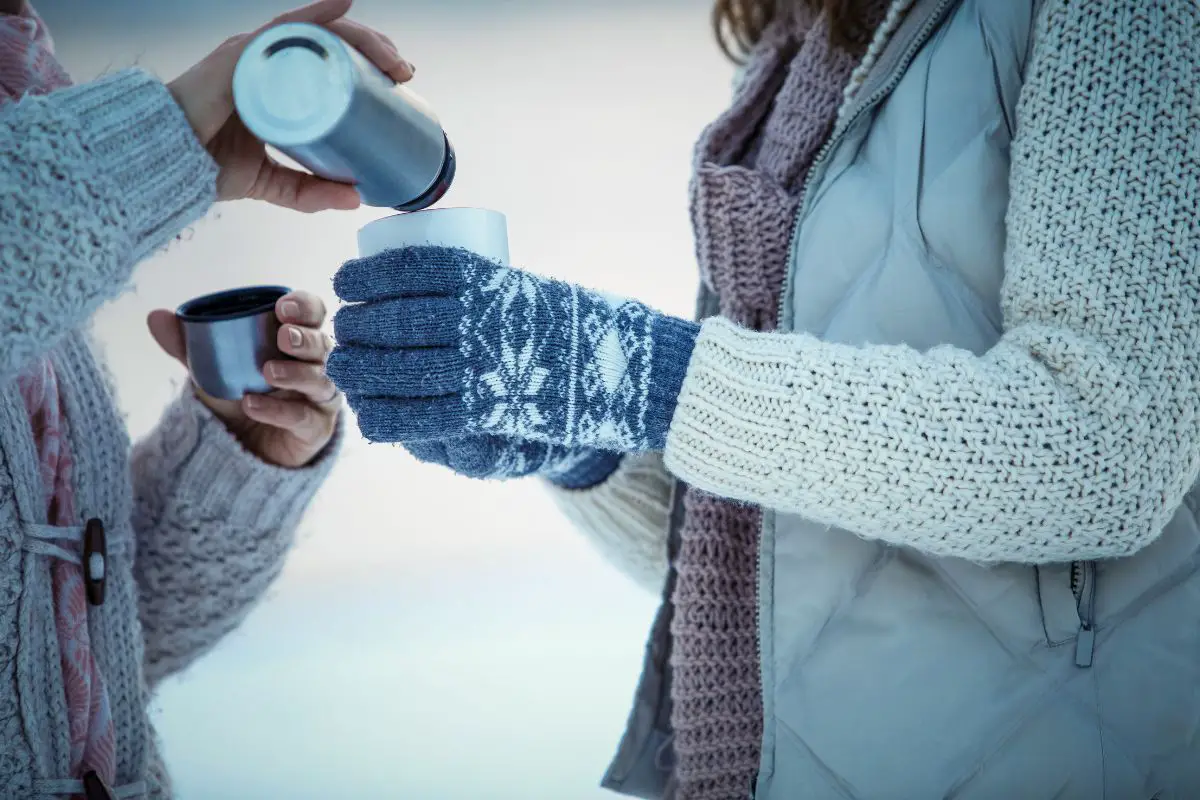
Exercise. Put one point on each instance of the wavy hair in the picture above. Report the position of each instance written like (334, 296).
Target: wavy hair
(739, 24)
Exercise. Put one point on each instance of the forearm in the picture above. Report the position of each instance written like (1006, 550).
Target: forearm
(626, 517)
(1075, 436)
(214, 525)
(93, 179)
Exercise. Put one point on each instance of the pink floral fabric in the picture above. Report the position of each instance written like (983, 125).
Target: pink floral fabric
(27, 65)
(92, 733)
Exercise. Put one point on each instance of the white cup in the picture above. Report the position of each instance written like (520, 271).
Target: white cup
(480, 230)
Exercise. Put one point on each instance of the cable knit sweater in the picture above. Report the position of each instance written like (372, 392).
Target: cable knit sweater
(93, 179)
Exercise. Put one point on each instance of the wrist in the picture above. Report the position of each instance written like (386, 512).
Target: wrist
(578, 470)
(673, 341)
(183, 95)
(136, 137)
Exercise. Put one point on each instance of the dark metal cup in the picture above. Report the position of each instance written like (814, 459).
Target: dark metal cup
(230, 335)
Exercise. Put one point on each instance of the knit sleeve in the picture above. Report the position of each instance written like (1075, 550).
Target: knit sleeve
(214, 524)
(1077, 435)
(93, 178)
(626, 517)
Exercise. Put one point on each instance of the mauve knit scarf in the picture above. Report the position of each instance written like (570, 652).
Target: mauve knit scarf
(750, 165)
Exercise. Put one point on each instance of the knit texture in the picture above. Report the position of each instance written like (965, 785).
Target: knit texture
(504, 457)
(750, 169)
(1075, 437)
(222, 522)
(119, 149)
(92, 737)
(92, 178)
(439, 342)
(626, 518)
(28, 66)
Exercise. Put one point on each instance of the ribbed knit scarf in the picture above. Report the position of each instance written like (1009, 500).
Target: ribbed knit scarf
(750, 166)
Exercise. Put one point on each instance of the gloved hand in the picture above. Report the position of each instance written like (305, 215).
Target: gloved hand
(439, 343)
(500, 458)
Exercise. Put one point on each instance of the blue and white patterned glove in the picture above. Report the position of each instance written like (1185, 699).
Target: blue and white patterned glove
(501, 458)
(439, 343)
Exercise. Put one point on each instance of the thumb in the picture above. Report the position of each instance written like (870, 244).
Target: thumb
(165, 329)
(302, 191)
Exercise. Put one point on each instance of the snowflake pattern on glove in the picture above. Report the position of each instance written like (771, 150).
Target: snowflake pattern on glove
(552, 362)
(439, 343)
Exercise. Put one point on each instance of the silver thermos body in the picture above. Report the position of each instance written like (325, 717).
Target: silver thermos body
(304, 91)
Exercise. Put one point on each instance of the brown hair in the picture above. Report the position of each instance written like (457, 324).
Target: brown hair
(739, 24)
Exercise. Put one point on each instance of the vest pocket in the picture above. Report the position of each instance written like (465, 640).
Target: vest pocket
(1067, 597)
(1060, 611)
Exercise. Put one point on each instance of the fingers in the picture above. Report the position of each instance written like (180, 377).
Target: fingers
(478, 456)
(385, 419)
(426, 372)
(405, 322)
(300, 191)
(302, 419)
(300, 337)
(378, 49)
(304, 344)
(432, 451)
(301, 308)
(409, 271)
(168, 333)
(302, 377)
(471, 456)
(320, 12)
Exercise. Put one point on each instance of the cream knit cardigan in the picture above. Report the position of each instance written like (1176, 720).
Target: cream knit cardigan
(1077, 435)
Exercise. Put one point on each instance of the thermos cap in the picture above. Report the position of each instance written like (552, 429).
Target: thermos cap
(293, 83)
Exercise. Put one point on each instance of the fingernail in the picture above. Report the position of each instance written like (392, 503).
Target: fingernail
(295, 337)
(253, 401)
(277, 370)
(290, 308)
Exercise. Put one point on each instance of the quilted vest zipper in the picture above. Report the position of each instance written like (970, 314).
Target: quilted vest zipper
(926, 30)
(923, 34)
(1083, 586)
(932, 21)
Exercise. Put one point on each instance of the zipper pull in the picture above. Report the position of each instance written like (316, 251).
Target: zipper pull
(1085, 642)
(1085, 646)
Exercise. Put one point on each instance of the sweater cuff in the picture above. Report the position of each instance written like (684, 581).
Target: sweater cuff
(229, 482)
(733, 412)
(673, 341)
(627, 517)
(142, 142)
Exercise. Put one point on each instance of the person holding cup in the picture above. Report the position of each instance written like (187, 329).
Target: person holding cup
(920, 487)
(119, 568)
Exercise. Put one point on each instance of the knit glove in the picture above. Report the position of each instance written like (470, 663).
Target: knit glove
(499, 458)
(439, 343)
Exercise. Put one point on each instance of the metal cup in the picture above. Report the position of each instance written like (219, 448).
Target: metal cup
(230, 335)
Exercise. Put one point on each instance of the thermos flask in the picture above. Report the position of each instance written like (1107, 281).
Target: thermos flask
(303, 90)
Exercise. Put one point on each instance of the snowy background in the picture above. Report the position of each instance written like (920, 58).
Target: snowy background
(433, 638)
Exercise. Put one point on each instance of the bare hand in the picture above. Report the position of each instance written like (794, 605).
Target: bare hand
(205, 93)
(291, 426)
